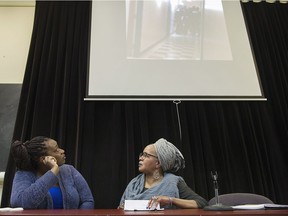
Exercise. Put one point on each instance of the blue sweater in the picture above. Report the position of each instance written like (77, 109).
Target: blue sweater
(30, 191)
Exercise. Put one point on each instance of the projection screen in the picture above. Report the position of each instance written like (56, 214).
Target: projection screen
(170, 50)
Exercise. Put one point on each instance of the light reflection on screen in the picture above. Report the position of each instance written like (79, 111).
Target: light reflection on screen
(176, 29)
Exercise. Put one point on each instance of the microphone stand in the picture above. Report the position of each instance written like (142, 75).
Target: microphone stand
(217, 206)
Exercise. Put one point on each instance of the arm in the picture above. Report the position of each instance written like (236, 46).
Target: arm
(170, 201)
(187, 193)
(128, 190)
(182, 203)
(85, 194)
(29, 192)
(122, 201)
(188, 198)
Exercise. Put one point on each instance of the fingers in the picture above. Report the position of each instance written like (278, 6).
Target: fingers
(50, 163)
(153, 202)
(49, 160)
(159, 200)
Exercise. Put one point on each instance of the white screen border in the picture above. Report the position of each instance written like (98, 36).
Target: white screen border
(114, 77)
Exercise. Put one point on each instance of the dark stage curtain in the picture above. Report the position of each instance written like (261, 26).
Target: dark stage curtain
(54, 82)
(246, 142)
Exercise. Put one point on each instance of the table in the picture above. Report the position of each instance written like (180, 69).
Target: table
(120, 212)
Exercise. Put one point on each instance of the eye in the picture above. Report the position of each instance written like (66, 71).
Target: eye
(146, 155)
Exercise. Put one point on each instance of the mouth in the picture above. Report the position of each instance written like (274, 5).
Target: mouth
(140, 164)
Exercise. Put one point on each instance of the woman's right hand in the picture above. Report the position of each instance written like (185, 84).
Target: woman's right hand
(51, 163)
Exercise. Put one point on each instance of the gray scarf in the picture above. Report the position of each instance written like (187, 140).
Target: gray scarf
(167, 187)
(169, 156)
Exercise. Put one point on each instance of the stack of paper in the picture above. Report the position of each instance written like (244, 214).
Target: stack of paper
(10, 209)
(260, 206)
(139, 205)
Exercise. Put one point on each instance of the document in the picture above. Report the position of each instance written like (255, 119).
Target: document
(139, 205)
(249, 207)
(260, 206)
(275, 206)
(11, 209)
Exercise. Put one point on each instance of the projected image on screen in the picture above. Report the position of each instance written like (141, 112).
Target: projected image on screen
(170, 49)
(176, 29)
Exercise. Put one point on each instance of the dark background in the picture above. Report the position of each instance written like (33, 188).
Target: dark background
(245, 141)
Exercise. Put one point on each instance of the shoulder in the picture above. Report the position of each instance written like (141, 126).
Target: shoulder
(173, 177)
(21, 176)
(138, 178)
(24, 173)
(67, 167)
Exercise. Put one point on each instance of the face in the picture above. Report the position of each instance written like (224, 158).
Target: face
(54, 150)
(148, 161)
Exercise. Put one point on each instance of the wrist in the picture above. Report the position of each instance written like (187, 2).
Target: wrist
(170, 201)
(55, 169)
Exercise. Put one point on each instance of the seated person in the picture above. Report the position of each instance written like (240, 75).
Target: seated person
(157, 183)
(43, 181)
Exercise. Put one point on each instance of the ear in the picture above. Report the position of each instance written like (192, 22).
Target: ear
(157, 164)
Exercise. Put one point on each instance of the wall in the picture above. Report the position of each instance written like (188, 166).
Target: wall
(1, 183)
(16, 22)
(16, 27)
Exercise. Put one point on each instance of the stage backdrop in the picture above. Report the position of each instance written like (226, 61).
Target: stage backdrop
(245, 141)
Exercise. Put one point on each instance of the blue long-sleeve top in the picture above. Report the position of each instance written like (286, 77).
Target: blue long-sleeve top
(30, 191)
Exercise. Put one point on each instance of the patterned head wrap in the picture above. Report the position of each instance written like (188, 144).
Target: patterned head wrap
(170, 158)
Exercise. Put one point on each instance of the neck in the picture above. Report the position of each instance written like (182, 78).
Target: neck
(151, 181)
(41, 170)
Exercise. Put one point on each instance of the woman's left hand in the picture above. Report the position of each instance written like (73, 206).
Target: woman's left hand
(161, 200)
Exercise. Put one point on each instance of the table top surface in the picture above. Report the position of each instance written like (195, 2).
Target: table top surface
(114, 212)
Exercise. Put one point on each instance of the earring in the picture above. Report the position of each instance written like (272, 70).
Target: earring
(156, 175)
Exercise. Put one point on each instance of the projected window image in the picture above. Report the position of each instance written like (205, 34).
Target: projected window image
(176, 29)
(170, 49)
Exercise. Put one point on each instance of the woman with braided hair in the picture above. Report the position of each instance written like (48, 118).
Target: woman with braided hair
(157, 183)
(44, 181)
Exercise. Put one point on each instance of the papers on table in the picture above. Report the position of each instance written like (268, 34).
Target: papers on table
(10, 209)
(249, 207)
(275, 206)
(260, 206)
(139, 205)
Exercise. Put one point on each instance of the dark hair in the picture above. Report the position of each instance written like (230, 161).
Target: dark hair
(27, 154)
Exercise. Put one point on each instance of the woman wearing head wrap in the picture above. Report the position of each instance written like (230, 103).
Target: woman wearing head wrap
(157, 183)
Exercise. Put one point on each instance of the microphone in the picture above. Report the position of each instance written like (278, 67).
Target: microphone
(217, 206)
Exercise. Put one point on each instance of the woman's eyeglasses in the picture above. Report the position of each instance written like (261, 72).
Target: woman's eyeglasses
(146, 155)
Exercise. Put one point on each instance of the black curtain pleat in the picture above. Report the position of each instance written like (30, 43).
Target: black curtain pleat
(245, 142)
